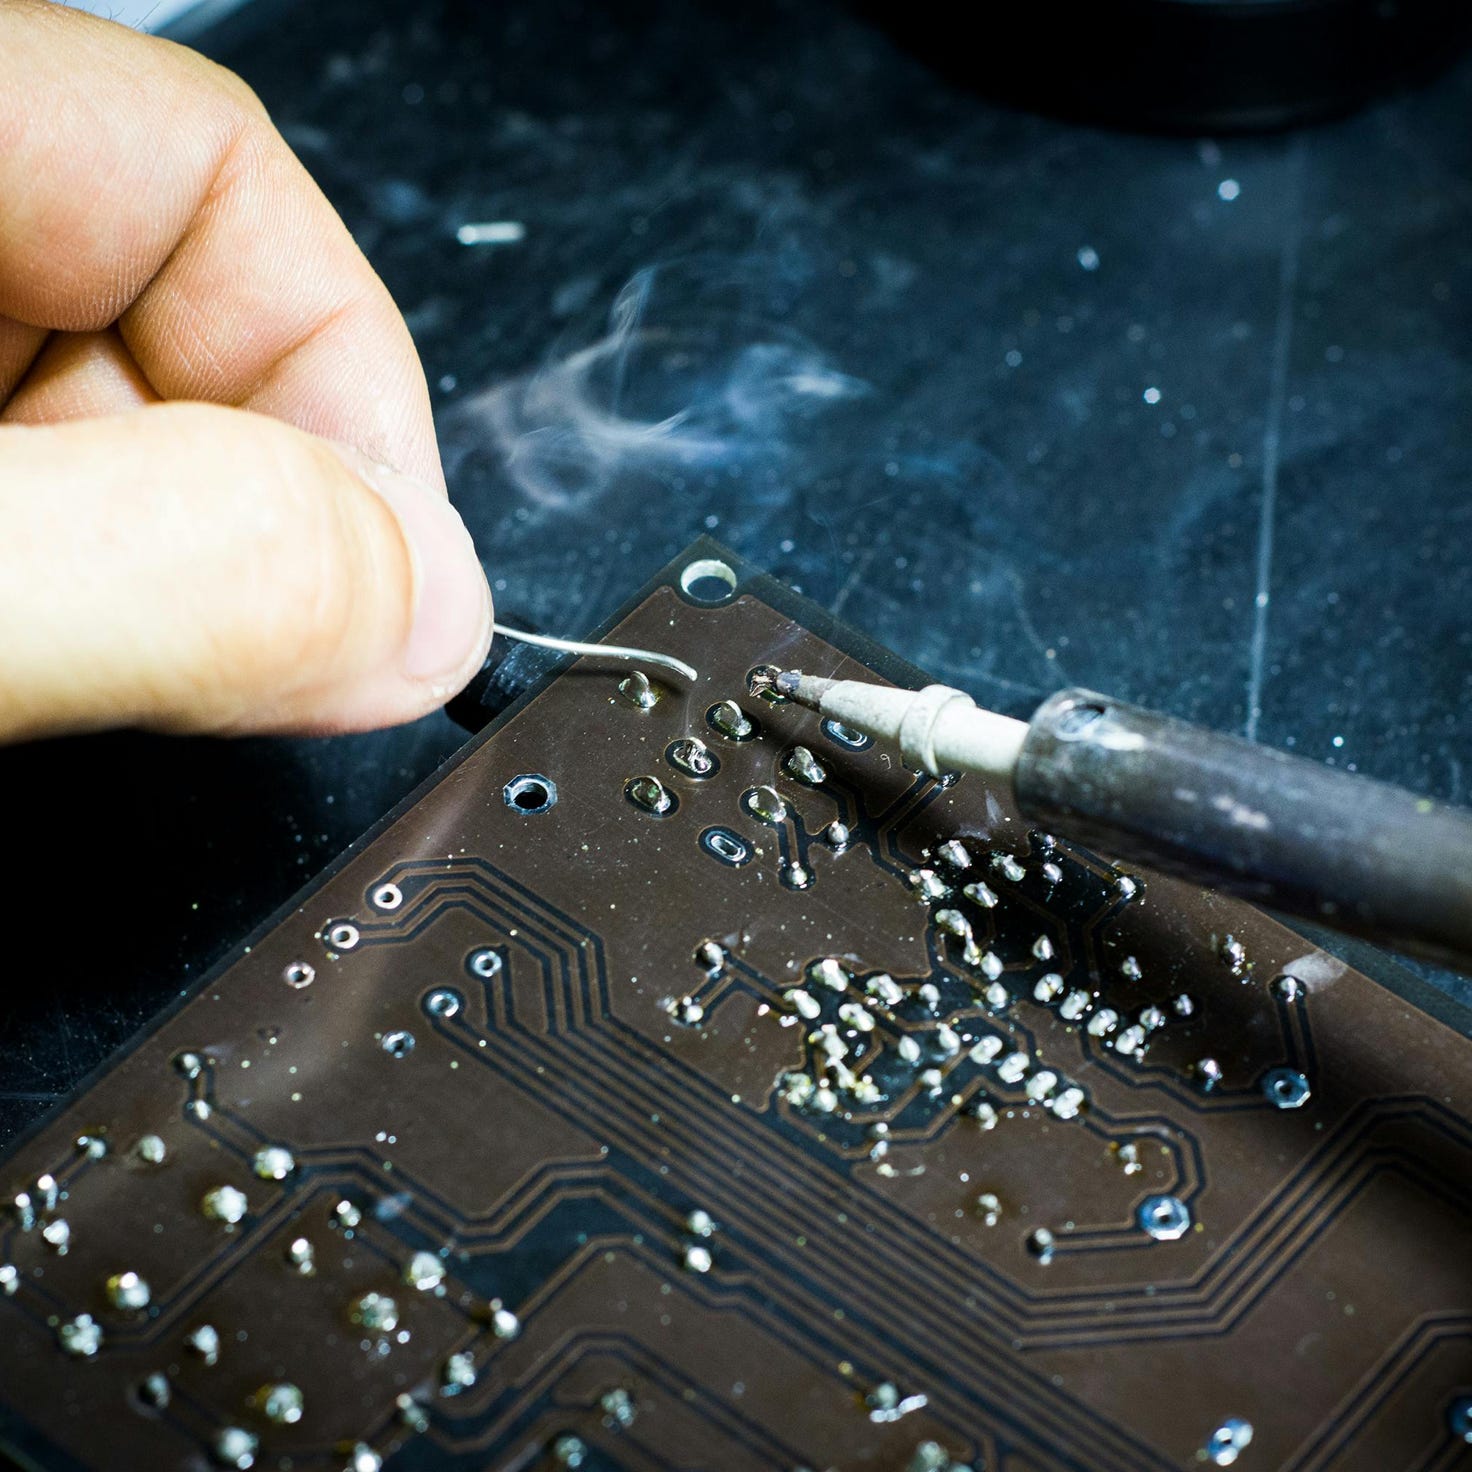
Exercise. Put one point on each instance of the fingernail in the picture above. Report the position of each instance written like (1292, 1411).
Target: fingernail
(451, 628)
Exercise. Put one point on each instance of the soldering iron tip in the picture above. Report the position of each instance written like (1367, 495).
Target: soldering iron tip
(801, 689)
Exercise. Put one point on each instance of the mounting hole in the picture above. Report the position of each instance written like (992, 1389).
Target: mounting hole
(387, 897)
(530, 793)
(730, 848)
(708, 581)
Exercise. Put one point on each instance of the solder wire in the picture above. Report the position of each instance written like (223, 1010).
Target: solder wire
(605, 651)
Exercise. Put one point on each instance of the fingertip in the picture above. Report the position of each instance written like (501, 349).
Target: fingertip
(195, 569)
(450, 626)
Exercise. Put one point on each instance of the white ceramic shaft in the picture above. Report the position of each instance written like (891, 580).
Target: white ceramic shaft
(937, 729)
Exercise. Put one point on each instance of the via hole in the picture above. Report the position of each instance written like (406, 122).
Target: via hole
(1164, 1218)
(484, 963)
(387, 897)
(530, 793)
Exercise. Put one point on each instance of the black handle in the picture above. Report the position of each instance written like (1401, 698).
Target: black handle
(1336, 848)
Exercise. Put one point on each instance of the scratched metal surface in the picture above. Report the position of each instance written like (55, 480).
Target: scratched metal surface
(1190, 422)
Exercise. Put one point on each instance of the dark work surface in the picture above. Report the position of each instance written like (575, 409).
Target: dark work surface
(1032, 404)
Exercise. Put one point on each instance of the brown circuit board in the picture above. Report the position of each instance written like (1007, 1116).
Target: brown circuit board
(679, 1082)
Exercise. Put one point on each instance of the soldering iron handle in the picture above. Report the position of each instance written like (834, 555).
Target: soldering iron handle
(1291, 834)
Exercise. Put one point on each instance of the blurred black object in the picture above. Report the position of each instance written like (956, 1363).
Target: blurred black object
(1183, 65)
(510, 670)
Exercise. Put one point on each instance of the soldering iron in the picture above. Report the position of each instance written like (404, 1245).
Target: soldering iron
(1330, 846)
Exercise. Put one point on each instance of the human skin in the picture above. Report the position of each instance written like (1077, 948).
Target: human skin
(221, 501)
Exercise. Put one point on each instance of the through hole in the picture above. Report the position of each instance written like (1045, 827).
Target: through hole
(730, 848)
(761, 681)
(343, 936)
(530, 793)
(846, 736)
(729, 720)
(708, 581)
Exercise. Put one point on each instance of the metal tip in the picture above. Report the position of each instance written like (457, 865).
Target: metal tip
(801, 689)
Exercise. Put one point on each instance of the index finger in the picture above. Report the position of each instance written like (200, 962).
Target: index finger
(145, 185)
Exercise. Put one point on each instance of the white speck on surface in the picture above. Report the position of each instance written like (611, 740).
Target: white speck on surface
(1240, 814)
(491, 232)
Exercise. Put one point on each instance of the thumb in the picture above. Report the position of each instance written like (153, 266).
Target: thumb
(194, 568)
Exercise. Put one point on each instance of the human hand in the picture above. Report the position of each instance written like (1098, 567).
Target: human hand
(239, 559)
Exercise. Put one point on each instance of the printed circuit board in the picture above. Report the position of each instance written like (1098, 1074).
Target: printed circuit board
(679, 1082)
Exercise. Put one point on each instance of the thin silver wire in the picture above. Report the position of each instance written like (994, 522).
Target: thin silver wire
(605, 651)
